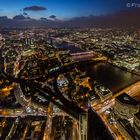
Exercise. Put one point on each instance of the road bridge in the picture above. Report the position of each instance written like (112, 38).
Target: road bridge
(88, 55)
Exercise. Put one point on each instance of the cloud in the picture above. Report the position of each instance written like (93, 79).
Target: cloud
(26, 14)
(126, 18)
(3, 17)
(19, 17)
(52, 16)
(34, 8)
(43, 19)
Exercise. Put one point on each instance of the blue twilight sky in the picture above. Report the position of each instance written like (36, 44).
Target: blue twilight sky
(63, 9)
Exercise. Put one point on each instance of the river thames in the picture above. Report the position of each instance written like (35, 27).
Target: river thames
(110, 76)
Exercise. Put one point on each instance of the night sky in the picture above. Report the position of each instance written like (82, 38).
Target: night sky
(62, 9)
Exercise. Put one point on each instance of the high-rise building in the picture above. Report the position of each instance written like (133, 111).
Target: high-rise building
(136, 123)
(125, 106)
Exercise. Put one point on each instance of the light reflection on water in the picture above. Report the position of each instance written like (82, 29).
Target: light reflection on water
(112, 77)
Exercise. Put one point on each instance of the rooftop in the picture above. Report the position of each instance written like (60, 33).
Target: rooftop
(126, 99)
(126, 125)
(138, 115)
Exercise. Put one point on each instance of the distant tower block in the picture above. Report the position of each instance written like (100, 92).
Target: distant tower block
(29, 42)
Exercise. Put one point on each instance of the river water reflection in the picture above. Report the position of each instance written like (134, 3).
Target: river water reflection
(112, 77)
